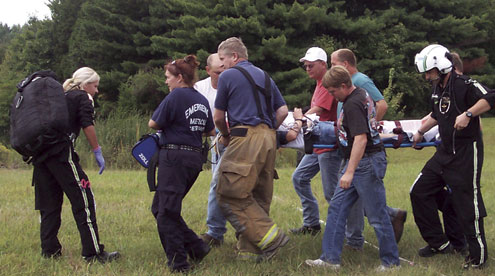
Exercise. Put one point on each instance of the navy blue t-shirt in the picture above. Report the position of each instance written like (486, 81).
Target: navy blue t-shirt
(235, 95)
(183, 116)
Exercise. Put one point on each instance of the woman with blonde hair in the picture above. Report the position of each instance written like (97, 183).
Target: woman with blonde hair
(59, 172)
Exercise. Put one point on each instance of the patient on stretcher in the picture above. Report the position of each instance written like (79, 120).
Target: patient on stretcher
(391, 132)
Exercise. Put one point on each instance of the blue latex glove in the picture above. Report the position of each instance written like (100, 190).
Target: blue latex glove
(99, 159)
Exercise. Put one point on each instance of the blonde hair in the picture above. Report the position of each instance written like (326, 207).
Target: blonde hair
(80, 78)
(233, 45)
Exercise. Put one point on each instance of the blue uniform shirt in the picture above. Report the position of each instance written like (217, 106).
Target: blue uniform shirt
(183, 116)
(234, 95)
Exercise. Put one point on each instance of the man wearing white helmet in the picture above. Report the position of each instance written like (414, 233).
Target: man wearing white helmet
(456, 101)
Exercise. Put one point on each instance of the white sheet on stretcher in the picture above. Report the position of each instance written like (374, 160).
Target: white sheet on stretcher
(410, 127)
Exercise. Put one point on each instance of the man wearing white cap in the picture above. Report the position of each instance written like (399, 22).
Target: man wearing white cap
(325, 160)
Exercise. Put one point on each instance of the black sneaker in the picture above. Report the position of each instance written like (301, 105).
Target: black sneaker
(313, 230)
(103, 257)
(471, 264)
(55, 255)
(269, 252)
(429, 251)
(197, 257)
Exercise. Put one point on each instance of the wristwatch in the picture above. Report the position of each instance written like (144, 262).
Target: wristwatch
(469, 114)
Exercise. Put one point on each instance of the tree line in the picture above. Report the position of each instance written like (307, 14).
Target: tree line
(128, 41)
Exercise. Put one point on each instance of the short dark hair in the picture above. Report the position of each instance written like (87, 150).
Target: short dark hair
(457, 62)
(347, 55)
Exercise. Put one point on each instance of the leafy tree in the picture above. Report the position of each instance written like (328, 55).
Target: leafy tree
(6, 35)
(127, 40)
(64, 14)
(143, 92)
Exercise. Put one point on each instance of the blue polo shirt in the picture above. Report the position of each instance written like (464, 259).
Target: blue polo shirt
(183, 116)
(234, 95)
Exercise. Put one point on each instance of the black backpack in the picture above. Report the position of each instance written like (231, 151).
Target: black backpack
(38, 115)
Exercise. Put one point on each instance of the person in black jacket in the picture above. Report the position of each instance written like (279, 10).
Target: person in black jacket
(456, 103)
(57, 171)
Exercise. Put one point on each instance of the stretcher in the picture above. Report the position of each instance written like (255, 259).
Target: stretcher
(394, 134)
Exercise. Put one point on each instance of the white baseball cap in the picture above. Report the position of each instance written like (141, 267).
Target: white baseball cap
(314, 54)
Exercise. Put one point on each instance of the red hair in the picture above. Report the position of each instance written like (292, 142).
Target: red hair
(185, 67)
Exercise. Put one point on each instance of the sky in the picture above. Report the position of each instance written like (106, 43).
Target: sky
(18, 11)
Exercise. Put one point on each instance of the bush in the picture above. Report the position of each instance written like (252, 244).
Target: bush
(143, 92)
(116, 134)
(9, 158)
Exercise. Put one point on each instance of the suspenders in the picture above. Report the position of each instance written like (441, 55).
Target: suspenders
(267, 92)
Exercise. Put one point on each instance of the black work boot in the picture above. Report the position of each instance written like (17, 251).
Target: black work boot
(103, 257)
(305, 230)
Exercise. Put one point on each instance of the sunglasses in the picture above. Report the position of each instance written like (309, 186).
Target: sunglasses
(307, 66)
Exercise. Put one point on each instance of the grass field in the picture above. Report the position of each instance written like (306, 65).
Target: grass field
(126, 224)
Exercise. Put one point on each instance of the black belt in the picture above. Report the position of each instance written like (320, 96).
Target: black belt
(180, 147)
(239, 131)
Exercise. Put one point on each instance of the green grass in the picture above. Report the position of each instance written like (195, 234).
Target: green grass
(126, 224)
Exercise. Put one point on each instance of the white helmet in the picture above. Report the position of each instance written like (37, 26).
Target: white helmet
(433, 56)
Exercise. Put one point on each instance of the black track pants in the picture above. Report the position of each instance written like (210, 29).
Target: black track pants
(56, 175)
(461, 174)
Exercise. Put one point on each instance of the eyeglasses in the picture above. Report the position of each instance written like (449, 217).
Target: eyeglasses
(308, 66)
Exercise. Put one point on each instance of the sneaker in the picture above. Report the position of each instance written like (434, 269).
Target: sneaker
(197, 257)
(322, 263)
(382, 268)
(470, 264)
(429, 251)
(313, 230)
(55, 255)
(211, 241)
(181, 270)
(280, 241)
(398, 224)
(103, 257)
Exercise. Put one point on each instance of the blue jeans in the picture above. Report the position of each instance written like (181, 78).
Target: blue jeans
(214, 217)
(301, 179)
(328, 163)
(367, 184)
(329, 169)
(355, 223)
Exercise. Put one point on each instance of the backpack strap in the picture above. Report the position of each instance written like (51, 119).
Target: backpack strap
(153, 164)
(266, 91)
(151, 174)
(40, 74)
